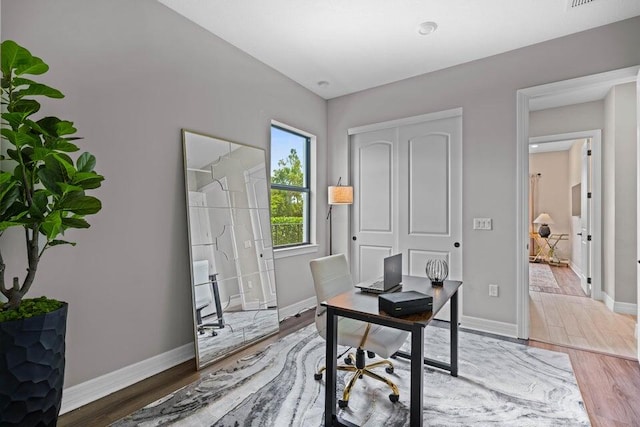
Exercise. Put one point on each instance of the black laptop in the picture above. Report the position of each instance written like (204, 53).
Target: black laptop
(390, 282)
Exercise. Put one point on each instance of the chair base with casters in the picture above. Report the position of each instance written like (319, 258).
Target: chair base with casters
(331, 277)
(357, 364)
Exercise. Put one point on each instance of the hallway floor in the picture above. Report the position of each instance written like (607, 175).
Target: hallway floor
(580, 322)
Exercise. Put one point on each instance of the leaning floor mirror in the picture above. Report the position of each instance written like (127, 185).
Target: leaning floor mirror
(232, 270)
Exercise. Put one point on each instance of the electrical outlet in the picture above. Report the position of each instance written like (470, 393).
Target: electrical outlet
(482, 224)
(493, 290)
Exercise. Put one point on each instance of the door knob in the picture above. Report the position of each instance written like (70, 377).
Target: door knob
(354, 238)
(456, 244)
(579, 234)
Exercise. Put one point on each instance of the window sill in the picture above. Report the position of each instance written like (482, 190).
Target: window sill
(295, 251)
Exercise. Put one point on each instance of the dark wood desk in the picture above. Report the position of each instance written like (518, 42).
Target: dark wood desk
(363, 306)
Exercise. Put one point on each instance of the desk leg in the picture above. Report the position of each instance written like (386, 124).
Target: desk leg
(330, 372)
(453, 326)
(417, 375)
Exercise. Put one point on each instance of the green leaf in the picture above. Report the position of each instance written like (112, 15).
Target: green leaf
(86, 162)
(52, 225)
(38, 89)
(13, 154)
(62, 144)
(27, 106)
(80, 204)
(18, 138)
(13, 55)
(21, 81)
(34, 67)
(75, 223)
(66, 163)
(39, 206)
(48, 125)
(9, 193)
(68, 188)
(60, 242)
(50, 174)
(65, 127)
(5, 177)
(40, 153)
(14, 119)
(87, 180)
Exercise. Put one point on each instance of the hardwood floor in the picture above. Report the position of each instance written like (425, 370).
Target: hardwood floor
(111, 408)
(579, 321)
(609, 385)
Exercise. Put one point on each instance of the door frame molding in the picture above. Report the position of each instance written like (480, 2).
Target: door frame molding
(596, 213)
(445, 114)
(523, 98)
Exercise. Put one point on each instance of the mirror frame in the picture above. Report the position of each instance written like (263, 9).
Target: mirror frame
(235, 349)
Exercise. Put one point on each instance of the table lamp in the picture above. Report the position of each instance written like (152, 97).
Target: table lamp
(544, 220)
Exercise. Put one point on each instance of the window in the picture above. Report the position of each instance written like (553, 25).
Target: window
(290, 187)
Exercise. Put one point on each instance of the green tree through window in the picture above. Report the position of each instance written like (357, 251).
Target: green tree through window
(289, 188)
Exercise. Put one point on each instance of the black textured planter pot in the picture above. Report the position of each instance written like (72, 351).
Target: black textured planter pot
(32, 369)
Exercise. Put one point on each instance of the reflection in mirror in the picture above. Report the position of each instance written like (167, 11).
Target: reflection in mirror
(232, 269)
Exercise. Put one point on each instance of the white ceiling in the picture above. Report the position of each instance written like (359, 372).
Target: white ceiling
(358, 44)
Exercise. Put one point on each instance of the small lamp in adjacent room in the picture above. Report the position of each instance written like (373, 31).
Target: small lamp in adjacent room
(338, 195)
(544, 220)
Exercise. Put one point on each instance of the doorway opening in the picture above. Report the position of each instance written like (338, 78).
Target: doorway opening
(560, 94)
(562, 219)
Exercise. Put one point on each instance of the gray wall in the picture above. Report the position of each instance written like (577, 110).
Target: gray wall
(486, 89)
(134, 73)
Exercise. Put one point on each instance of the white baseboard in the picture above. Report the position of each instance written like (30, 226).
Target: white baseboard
(620, 307)
(575, 269)
(491, 326)
(81, 394)
(293, 309)
(89, 391)
(625, 308)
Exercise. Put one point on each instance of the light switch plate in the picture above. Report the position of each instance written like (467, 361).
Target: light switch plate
(482, 224)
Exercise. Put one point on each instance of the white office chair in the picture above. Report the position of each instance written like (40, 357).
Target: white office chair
(331, 277)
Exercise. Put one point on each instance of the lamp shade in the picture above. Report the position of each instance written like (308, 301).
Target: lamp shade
(340, 195)
(543, 218)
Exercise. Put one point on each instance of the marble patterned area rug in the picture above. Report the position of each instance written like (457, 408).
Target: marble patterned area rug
(500, 383)
(541, 277)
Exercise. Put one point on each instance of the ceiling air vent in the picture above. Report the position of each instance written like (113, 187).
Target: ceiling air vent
(575, 3)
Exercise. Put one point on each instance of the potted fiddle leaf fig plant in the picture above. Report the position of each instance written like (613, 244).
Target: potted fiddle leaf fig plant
(43, 192)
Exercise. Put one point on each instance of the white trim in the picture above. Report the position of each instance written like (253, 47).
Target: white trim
(615, 77)
(81, 394)
(89, 391)
(625, 308)
(294, 251)
(491, 326)
(608, 301)
(522, 206)
(295, 308)
(620, 307)
(523, 96)
(313, 193)
(454, 112)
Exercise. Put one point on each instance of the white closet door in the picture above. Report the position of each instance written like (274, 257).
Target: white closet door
(374, 211)
(430, 196)
(408, 198)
